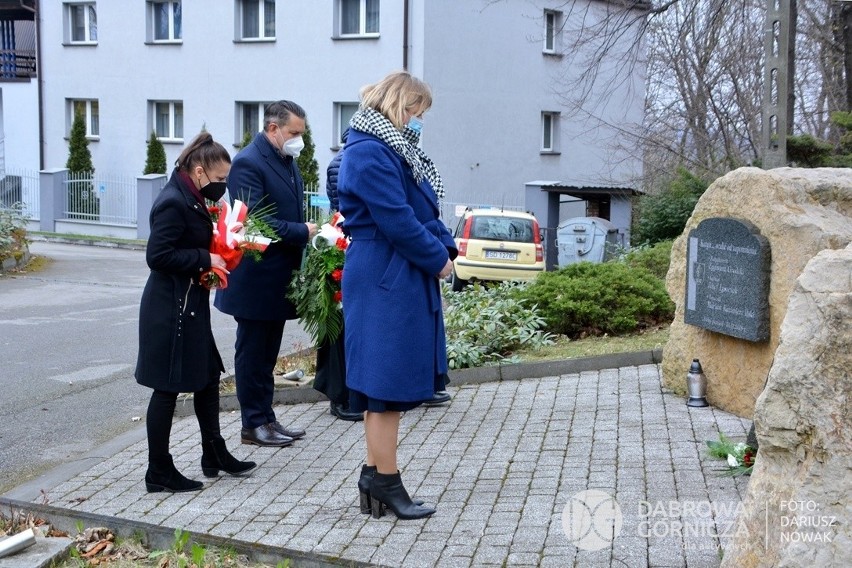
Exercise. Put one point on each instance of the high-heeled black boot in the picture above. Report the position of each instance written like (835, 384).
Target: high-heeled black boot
(367, 473)
(164, 476)
(215, 456)
(387, 491)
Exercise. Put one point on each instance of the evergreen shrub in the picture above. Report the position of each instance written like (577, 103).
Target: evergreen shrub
(486, 323)
(594, 299)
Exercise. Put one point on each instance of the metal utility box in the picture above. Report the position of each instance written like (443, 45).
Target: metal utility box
(585, 239)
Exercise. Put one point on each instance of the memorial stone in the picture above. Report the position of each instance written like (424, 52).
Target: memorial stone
(727, 284)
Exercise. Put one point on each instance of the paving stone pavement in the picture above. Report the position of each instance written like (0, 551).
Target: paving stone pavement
(500, 461)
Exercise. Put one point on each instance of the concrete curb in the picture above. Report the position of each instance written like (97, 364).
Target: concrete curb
(88, 241)
(162, 538)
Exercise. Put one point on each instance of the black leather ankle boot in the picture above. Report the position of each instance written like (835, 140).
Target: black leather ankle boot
(215, 456)
(367, 473)
(162, 475)
(387, 491)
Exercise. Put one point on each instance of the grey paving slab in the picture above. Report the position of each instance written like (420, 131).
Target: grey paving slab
(501, 461)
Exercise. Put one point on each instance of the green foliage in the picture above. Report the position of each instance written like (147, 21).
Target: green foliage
(663, 216)
(308, 165)
(79, 156)
(316, 293)
(155, 163)
(654, 258)
(593, 299)
(486, 323)
(808, 152)
(739, 457)
(13, 230)
(247, 139)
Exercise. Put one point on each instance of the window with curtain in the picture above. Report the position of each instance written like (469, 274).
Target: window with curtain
(82, 23)
(549, 132)
(167, 21)
(257, 19)
(358, 17)
(168, 120)
(89, 110)
(552, 31)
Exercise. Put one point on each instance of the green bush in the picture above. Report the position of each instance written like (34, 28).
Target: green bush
(13, 230)
(155, 163)
(593, 299)
(663, 216)
(486, 323)
(654, 258)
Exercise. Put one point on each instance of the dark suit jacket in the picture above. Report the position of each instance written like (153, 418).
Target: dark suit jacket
(260, 176)
(177, 352)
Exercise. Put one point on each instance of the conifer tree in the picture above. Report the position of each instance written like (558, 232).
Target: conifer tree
(82, 202)
(156, 160)
(308, 165)
(247, 139)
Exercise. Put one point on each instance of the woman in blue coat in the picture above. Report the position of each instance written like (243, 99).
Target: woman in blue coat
(396, 355)
(177, 352)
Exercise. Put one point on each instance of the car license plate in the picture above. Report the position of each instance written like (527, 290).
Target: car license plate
(501, 255)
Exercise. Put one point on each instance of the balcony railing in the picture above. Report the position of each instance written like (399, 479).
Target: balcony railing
(17, 64)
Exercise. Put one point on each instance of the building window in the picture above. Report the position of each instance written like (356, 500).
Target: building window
(249, 119)
(165, 22)
(357, 18)
(81, 23)
(550, 132)
(167, 120)
(552, 31)
(255, 19)
(343, 113)
(89, 110)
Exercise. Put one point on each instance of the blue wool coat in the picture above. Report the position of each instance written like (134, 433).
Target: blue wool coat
(257, 290)
(394, 324)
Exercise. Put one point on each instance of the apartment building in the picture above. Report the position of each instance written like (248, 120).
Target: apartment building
(175, 67)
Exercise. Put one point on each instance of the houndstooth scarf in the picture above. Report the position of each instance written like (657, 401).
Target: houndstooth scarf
(403, 143)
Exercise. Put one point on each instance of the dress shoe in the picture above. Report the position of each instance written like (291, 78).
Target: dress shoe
(343, 413)
(215, 456)
(294, 433)
(265, 435)
(388, 492)
(439, 397)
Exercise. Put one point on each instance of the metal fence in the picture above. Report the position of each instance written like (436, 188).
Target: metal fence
(19, 191)
(102, 198)
(317, 206)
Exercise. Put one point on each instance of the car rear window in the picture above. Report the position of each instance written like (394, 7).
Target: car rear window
(510, 229)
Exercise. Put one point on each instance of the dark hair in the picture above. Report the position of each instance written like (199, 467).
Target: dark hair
(203, 151)
(279, 113)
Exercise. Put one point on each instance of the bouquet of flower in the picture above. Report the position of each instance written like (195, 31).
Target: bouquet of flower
(315, 289)
(235, 233)
(740, 457)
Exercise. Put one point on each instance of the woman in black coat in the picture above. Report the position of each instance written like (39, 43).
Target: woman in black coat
(177, 352)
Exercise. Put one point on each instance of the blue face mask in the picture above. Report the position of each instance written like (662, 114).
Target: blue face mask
(415, 124)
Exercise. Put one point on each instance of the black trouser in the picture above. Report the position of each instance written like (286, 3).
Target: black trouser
(161, 411)
(257, 347)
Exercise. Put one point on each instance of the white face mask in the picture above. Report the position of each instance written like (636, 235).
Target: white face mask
(293, 147)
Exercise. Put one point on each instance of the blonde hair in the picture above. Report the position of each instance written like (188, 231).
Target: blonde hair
(396, 95)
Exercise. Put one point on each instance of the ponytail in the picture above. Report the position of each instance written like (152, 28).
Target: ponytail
(203, 151)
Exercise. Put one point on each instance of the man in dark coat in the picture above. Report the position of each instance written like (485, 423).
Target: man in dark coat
(263, 174)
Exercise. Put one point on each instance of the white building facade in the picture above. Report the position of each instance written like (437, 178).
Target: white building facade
(137, 66)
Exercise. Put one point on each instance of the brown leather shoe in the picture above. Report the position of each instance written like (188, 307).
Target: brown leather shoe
(294, 433)
(265, 435)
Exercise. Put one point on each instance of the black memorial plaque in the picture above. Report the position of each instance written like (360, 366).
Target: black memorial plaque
(727, 279)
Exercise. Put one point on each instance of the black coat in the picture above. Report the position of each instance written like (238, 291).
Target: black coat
(331, 175)
(177, 352)
(257, 290)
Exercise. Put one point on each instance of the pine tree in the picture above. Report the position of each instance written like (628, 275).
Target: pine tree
(79, 156)
(82, 202)
(308, 165)
(156, 160)
(247, 139)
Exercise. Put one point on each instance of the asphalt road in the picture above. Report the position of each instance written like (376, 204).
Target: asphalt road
(68, 344)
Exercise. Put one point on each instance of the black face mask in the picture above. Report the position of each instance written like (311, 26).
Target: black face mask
(214, 190)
